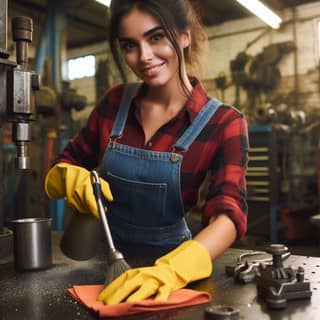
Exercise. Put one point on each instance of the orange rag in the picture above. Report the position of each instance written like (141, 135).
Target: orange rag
(87, 295)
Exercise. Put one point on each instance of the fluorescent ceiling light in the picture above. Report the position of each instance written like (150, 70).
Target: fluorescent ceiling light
(104, 2)
(262, 12)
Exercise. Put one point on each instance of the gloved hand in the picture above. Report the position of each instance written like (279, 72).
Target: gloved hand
(73, 183)
(188, 262)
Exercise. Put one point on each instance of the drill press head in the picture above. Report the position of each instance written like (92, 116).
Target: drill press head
(21, 83)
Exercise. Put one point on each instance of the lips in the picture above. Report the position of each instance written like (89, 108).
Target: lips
(152, 71)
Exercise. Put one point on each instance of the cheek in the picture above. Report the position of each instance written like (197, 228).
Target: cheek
(167, 52)
(129, 59)
(166, 48)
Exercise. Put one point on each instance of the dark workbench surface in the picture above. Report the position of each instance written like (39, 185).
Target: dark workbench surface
(42, 295)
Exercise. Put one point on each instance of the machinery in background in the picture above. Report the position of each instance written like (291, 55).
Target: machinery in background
(259, 74)
(52, 128)
(54, 111)
(57, 140)
(282, 171)
(68, 100)
(17, 84)
(22, 101)
(281, 177)
(282, 174)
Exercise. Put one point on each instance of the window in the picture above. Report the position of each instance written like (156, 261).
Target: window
(104, 2)
(81, 67)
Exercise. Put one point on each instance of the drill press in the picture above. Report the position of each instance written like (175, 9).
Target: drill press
(17, 84)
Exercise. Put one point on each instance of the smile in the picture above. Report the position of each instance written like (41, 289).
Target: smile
(152, 71)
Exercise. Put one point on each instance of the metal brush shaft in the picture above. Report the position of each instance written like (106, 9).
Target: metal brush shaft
(96, 185)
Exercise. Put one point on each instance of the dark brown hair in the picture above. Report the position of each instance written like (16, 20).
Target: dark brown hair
(174, 15)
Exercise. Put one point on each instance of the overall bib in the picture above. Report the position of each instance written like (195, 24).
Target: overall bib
(147, 206)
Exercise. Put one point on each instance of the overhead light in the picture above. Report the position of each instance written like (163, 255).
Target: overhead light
(262, 12)
(104, 2)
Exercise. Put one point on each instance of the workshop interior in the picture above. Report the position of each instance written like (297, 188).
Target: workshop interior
(55, 64)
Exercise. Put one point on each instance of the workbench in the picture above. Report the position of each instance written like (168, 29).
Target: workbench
(41, 294)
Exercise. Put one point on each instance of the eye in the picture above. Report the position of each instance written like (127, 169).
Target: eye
(127, 45)
(157, 37)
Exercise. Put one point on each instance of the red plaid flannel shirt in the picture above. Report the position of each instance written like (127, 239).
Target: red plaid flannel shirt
(221, 149)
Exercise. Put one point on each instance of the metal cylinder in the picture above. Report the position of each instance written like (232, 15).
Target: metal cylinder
(80, 239)
(21, 135)
(22, 28)
(22, 161)
(21, 131)
(32, 243)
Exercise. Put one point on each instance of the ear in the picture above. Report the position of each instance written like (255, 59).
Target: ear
(185, 38)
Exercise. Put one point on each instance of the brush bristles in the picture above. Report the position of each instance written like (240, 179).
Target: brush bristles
(116, 269)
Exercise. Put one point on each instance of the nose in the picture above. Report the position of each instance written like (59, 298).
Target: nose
(146, 52)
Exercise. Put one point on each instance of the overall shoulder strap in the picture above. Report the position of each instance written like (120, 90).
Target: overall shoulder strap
(198, 124)
(124, 107)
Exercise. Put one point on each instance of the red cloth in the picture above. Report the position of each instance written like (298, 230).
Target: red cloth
(87, 295)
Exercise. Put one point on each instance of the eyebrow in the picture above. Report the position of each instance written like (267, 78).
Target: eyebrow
(145, 34)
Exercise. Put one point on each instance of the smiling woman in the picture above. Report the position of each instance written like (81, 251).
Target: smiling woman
(147, 50)
(155, 142)
(169, 19)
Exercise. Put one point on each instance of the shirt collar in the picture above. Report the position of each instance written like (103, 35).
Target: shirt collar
(199, 97)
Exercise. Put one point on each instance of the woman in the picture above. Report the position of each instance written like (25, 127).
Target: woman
(155, 143)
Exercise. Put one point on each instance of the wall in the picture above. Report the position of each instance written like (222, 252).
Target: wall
(299, 26)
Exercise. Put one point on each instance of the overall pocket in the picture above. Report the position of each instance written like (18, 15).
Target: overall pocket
(137, 202)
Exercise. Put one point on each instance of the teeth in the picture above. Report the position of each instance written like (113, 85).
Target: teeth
(152, 70)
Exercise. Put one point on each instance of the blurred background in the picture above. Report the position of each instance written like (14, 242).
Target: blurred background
(268, 70)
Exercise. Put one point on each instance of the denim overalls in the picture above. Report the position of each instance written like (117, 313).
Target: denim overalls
(148, 207)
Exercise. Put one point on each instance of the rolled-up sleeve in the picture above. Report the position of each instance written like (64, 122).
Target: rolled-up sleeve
(227, 188)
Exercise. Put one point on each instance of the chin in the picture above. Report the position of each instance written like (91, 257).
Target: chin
(153, 83)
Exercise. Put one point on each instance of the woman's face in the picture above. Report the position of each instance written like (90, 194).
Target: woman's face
(147, 50)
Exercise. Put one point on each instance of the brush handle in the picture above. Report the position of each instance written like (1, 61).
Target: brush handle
(96, 185)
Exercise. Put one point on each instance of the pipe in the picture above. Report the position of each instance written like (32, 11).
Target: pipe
(295, 55)
(56, 43)
(284, 23)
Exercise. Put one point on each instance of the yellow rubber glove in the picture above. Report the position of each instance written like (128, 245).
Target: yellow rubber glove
(73, 183)
(188, 262)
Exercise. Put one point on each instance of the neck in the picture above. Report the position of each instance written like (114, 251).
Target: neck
(169, 96)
